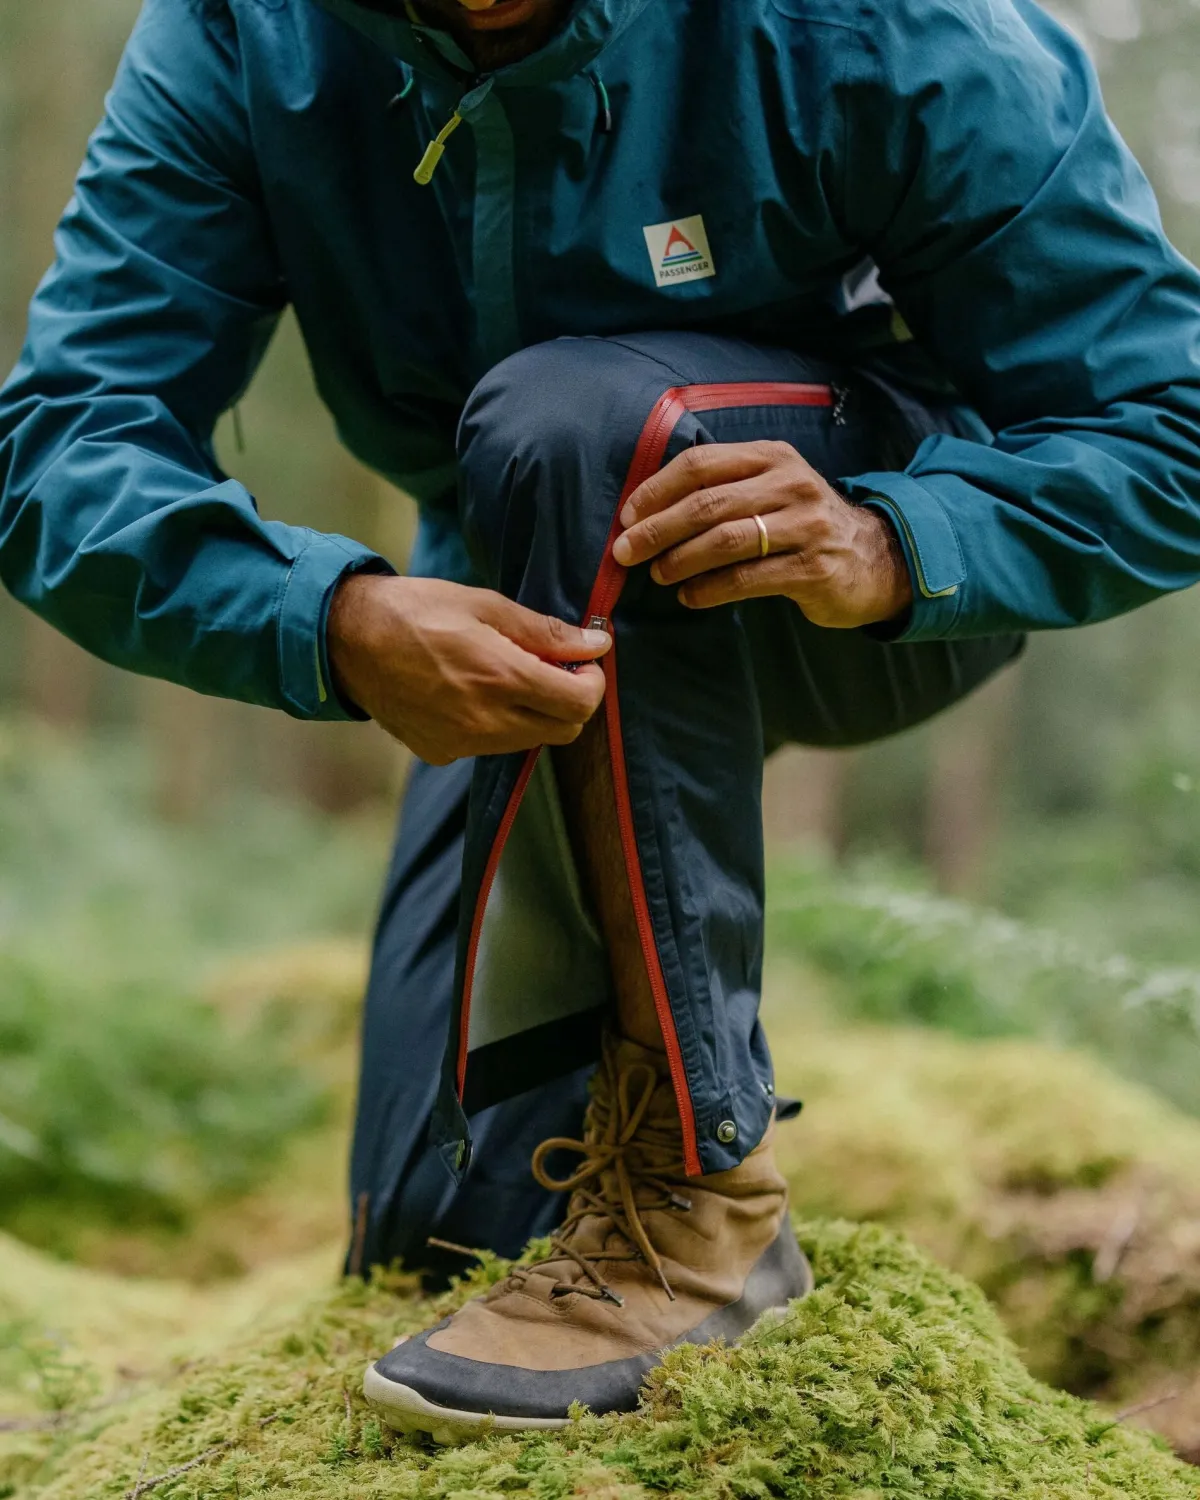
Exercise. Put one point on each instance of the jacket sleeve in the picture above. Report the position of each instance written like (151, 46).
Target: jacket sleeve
(1022, 245)
(116, 524)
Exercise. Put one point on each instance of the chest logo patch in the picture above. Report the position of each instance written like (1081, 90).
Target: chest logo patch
(679, 250)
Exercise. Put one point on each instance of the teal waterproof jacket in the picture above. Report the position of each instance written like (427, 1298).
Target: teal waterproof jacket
(774, 169)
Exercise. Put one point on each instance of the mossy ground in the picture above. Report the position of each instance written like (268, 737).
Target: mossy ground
(1072, 1197)
(894, 1379)
(56, 1319)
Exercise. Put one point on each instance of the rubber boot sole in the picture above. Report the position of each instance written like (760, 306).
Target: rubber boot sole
(407, 1411)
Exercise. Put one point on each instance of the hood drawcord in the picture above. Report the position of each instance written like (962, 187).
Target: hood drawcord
(435, 150)
(471, 101)
(406, 88)
(603, 105)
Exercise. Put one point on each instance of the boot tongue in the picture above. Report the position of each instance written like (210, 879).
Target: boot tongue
(627, 1069)
(660, 1134)
(621, 1052)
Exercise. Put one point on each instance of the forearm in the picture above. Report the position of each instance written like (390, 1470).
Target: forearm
(1057, 525)
(145, 556)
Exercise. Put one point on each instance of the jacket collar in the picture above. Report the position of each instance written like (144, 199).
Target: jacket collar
(592, 26)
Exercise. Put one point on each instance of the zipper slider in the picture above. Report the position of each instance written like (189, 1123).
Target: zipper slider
(593, 622)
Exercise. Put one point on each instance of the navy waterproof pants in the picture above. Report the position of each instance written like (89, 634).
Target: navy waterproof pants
(489, 983)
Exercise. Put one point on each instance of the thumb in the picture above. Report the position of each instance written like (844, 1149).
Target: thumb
(545, 635)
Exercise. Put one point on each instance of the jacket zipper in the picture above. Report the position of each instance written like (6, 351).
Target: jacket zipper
(606, 591)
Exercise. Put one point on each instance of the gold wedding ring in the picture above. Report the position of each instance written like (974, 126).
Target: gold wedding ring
(764, 541)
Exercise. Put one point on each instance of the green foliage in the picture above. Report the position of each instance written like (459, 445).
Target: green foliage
(61, 1382)
(132, 1101)
(1100, 833)
(123, 1093)
(93, 881)
(893, 1378)
(899, 953)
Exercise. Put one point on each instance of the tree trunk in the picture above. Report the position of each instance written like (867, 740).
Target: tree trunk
(965, 776)
(803, 794)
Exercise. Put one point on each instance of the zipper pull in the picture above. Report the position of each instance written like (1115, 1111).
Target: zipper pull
(436, 149)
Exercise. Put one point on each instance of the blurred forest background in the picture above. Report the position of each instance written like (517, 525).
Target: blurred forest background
(1066, 796)
(185, 883)
(1079, 776)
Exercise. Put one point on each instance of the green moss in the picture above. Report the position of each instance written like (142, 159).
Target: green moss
(65, 1328)
(894, 1378)
(1071, 1196)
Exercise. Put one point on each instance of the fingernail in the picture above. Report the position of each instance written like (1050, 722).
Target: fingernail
(682, 596)
(623, 550)
(628, 516)
(596, 640)
(656, 573)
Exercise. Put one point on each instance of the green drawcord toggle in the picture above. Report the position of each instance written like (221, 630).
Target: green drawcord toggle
(436, 149)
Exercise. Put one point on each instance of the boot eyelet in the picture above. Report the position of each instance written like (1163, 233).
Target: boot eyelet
(726, 1132)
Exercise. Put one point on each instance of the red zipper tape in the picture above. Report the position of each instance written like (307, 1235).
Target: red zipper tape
(606, 591)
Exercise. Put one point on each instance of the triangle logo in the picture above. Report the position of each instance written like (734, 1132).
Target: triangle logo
(679, 251)
(679, 247)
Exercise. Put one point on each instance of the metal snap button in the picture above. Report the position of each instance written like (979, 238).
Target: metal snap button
(726, 1132)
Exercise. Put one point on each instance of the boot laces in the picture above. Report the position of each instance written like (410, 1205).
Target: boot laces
(628, 1163)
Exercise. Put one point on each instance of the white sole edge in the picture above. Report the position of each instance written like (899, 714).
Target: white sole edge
(407, 1411)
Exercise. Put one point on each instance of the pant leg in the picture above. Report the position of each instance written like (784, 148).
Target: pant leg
(550, 440)
(408, 1194)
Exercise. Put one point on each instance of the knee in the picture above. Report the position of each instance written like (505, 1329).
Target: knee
(530, 445)
(531, 408)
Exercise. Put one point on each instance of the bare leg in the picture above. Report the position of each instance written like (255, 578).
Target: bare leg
(584, 773)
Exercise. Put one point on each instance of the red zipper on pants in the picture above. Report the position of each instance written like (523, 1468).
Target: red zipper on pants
(606, 591)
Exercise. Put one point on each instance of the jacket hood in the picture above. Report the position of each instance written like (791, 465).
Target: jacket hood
(592, 26)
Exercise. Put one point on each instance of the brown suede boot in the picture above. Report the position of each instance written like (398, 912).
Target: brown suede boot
(646, 1258)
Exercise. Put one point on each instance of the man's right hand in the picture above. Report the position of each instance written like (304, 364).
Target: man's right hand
(452, 671)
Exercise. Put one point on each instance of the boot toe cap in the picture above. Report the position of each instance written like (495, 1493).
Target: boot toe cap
(478, 1387)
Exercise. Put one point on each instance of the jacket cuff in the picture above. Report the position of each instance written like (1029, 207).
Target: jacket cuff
(306, 682)
(931, 550)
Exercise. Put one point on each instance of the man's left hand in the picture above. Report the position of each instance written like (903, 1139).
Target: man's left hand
(842, 564)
